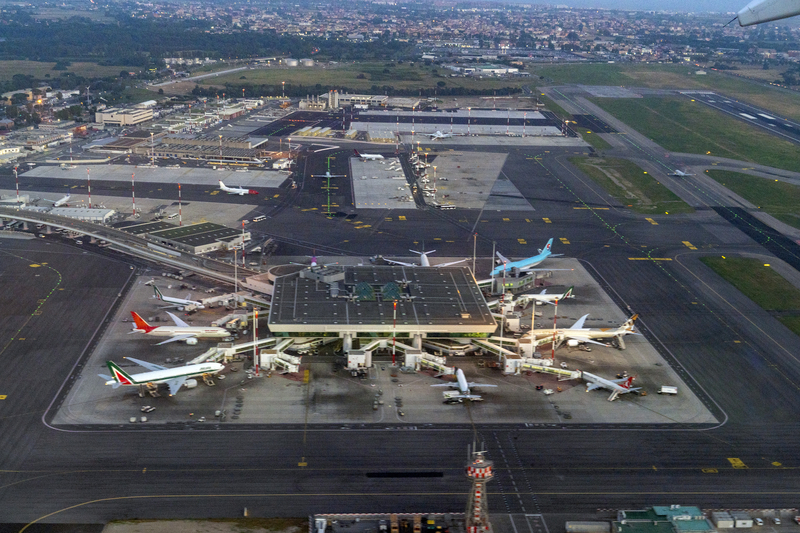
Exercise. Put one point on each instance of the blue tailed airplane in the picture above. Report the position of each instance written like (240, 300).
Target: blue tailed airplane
(524, 264)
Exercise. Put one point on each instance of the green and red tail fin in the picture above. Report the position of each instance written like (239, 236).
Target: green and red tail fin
(158, 293)
(119, 375)
(567, 294)
(141, 324)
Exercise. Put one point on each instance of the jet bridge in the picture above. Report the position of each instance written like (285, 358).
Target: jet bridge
(538, 365)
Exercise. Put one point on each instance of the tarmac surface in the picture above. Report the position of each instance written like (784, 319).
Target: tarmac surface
(740, 356)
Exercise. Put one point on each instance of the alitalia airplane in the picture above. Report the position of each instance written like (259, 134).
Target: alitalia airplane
(61, 201)
(577, 334)
(368, 157)
(173, 377)
(524, 264)
(241, 191)
(181, 303)
(181, 331)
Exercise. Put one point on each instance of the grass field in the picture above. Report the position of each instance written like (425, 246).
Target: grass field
(682, 76)
(680, 125)
(592, 138)
(629, 184)
(761, 284)
(67, 13)
(39, 69)
(404, 76)
(779, 199)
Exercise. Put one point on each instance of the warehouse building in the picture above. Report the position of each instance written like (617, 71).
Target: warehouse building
(115, 116)
(199, 238)
(98, 216)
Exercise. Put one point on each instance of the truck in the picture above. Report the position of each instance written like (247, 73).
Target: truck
(665, 389)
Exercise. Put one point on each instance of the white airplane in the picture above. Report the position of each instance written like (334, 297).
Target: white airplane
(175, 378)
(524, 264)
(181, 331)
(544, 298)
(577, 334)
(463, 388)
(423, 261)
(61, 201)
(439, 135)
(680, 173)
(328, 175)
(759, 11)
(368, 157)
(241, 191)
(181, 303)
(616, 386)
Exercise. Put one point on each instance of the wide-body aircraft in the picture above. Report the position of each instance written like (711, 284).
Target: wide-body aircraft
(577, 334)
(423, 260)
(175, 378)
(463, 387)
(524, 264)
(181, 331)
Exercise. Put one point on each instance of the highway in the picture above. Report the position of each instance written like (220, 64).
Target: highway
(739, 357)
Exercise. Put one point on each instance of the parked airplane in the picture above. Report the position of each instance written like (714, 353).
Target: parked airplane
(577, 334)
(544, 298)
(241, 191)
(759, 11)
(524, 264)
(175, 378)
(423, 260)
(680, 174)
(181, 331)
(61, 201)
(616, 386)
(181, 303)
(368, 157)
(439, 135)
(463, 388)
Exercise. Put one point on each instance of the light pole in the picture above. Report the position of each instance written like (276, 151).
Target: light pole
(16, 179)
(89, 184)
(469, 118)
(133, 194)
(153, 146)
(220, 147)
(283, 90)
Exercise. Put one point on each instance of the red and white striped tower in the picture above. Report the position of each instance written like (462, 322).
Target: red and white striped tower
(479, 470)
(180, 210)
(256, 361)
(16, 180)
(243, 250)
(89, 184)
(133, 194)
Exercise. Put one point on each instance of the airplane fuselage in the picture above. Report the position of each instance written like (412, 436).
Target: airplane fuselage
(199, 332)
(162, 376)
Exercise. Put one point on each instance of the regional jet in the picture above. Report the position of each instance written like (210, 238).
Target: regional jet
(759, 11)
(680, 174)
(181, 303)
(524, 264)
(423, 260)
(439, 135)
(544, 298)
(175, 378)
(181, 331)
(577, 334)
(241, 191)
(61, 201)
(463, 388)
(368, 157)
(616, 386)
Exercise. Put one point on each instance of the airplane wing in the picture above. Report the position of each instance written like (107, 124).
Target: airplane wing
(503, 258)
(400, 263)
(448, 264)
(584, 339)
(180, 323)
(175, 385)
(578, 324)
(452, 384)
(177, 338)
(545, 269)
(148, 366)
(470, 385)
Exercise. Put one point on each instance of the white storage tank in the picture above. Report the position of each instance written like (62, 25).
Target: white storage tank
(307, 62)
(722, 520)
(290, 62)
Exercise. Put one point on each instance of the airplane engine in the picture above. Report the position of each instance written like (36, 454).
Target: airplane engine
(181, 308)
(190, 383)
(572, 343)
(191, 342)
(539, 303)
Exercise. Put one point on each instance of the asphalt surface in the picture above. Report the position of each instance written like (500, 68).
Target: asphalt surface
(739, 358)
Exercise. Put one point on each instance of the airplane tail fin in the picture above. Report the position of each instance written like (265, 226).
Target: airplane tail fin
(356, 152)
(221, 185)
(158, 293)
(628, 325)
(567, 294)
(547, 247)
(628, 383)
(141, 324)
(119, 376)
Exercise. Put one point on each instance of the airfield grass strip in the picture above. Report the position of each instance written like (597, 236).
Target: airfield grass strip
(777, 198)
(768, 289)
(631, 185)
(681, 125)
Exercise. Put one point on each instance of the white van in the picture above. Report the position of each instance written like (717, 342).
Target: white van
(668, 390)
